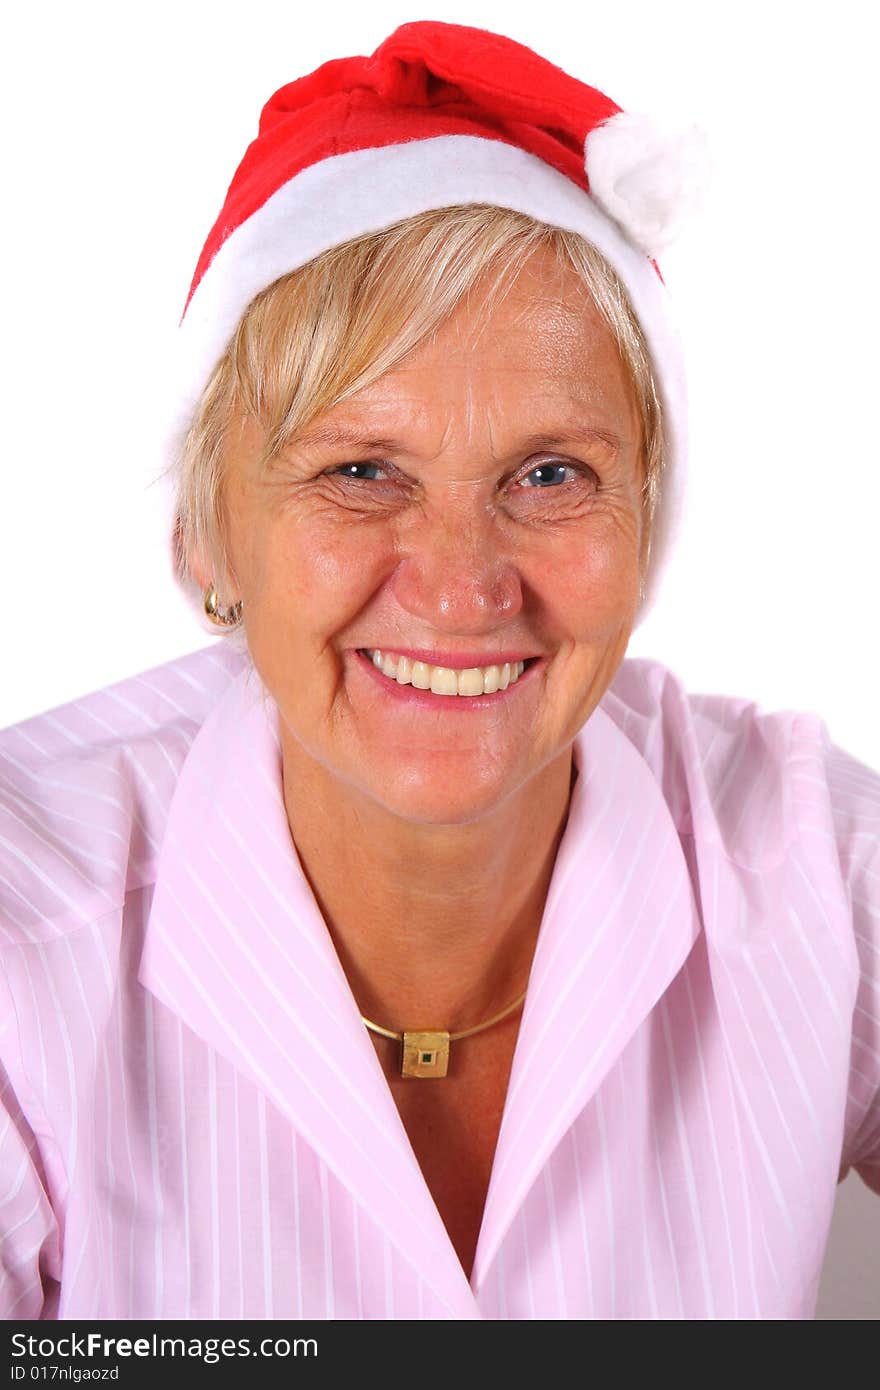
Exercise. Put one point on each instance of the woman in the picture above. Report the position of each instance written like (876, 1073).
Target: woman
(418, 820)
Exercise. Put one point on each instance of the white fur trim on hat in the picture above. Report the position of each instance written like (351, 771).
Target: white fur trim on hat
(649, 177)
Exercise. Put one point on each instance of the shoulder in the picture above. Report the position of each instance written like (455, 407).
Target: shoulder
(85, 789)
(750, 779)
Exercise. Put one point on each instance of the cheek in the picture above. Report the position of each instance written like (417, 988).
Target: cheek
(309, 583)
(590, 584)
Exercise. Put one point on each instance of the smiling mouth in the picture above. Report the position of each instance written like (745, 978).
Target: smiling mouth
(418, 683)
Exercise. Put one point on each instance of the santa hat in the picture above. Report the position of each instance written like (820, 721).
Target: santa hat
(443, 114)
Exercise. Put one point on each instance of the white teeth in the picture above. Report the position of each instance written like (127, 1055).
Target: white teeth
(442, 680)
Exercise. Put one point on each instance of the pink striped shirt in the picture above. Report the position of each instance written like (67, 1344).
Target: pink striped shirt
(195, 1123)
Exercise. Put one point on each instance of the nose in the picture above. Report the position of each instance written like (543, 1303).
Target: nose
(458, 576)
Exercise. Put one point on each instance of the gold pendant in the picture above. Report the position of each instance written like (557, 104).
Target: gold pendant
(424, 1054)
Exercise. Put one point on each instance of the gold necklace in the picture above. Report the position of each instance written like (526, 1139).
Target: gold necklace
(425, 1054)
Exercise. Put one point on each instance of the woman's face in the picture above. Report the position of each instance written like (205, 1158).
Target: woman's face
(500, 513)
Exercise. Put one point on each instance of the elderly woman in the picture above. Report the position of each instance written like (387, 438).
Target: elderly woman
(411, 953)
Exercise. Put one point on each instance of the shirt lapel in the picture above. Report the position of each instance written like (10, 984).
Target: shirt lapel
(619, 921)
(236, 946)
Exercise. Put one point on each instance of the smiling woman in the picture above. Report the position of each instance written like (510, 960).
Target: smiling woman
(417, 817)
(323, 334)
(466, 517)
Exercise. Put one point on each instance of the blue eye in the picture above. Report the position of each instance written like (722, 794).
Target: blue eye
(347, 471)
(547, 468)
(582, 469)
(341, 469)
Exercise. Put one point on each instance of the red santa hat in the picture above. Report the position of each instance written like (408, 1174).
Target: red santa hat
(442, 114)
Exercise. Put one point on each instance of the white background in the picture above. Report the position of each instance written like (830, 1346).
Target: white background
(122, 127)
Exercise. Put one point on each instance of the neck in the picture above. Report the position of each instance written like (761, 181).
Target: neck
(434, 925)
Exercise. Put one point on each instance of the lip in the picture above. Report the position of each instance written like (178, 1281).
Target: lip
(456, 661)
(409, 695)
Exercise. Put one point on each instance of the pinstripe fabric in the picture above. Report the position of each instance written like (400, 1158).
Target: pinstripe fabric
(194, 1122)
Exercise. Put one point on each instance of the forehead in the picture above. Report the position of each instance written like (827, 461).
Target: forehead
(539, 345)
(540, 338)
(542, 316)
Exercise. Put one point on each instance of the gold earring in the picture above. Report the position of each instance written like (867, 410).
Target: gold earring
(228, 619)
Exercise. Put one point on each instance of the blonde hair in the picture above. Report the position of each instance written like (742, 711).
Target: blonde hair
(338, 323)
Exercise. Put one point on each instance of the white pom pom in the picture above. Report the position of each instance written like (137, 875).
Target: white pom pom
(649, 178)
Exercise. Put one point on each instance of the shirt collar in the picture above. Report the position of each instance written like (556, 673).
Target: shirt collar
(236, 946)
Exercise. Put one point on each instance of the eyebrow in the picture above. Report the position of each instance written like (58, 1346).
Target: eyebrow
(342, 436)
